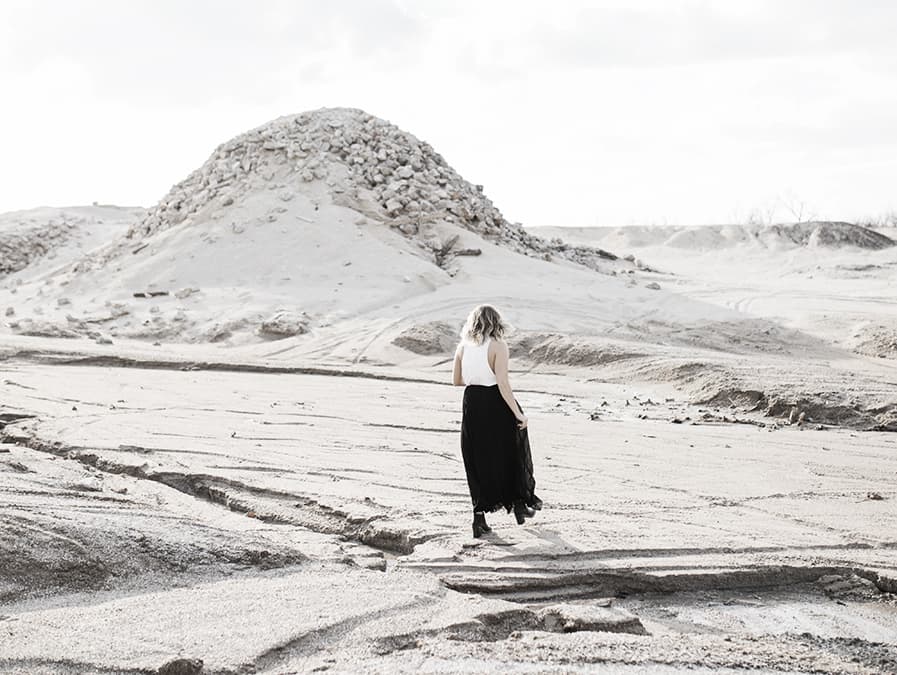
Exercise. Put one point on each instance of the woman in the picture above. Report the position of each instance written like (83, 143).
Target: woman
(494, 440)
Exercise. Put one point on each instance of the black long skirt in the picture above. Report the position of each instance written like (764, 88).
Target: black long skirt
(497, 456)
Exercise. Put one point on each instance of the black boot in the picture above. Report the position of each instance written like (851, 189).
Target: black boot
(522, 512)
(479, 525)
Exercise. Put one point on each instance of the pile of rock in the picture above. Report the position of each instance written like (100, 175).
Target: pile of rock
(41, 328)
(434, 337)
(832, 234)
(284, 323)
(20, 247)
(877, 340)
(368, 163)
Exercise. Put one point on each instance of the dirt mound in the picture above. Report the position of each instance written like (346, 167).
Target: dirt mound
(20, 248)
(435, 337)
(556, 349)
(773, 392)
(58, 234)
(369, 165)
(829, 234)
(876, 340)
(829, 410)
(799, 408)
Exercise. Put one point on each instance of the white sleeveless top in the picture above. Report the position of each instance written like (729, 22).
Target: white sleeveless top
(475, 363)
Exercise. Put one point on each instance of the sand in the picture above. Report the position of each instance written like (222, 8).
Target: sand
(254, 461)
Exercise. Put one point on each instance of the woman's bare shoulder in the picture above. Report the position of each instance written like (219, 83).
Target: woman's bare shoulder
(499, 345)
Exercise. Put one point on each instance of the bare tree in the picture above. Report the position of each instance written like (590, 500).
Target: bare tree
(886, 219)
(764, 215)
(797, 207)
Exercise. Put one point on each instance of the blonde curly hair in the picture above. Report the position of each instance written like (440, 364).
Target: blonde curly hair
(483, 322)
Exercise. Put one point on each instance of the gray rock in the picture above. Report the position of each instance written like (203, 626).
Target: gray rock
(284, 324)
(564, 618)
(436, 337)
(185, 293)
(182, 667)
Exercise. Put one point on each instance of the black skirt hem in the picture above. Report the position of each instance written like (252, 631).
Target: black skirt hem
(497, 456)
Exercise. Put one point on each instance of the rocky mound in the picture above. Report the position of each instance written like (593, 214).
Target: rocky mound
(369, 164)
(21, 247)
(58, 234)
(829, 234)
(875, 340)
(434, 337)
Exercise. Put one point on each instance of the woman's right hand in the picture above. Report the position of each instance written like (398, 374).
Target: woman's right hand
(522, 421)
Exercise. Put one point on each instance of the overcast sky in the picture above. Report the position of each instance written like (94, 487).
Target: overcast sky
(569, 112)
